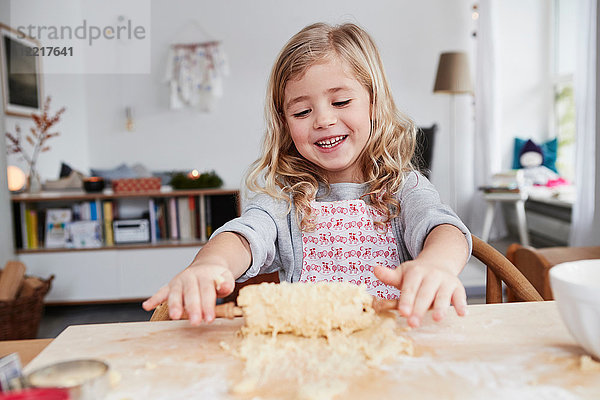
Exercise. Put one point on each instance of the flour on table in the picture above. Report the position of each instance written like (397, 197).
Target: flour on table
(312, 340)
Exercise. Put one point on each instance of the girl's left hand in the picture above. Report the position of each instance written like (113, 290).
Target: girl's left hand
(422, 287)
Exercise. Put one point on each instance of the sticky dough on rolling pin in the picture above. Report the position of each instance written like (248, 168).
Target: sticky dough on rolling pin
(306, 309)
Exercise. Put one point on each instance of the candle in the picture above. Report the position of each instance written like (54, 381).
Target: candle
(194, 174)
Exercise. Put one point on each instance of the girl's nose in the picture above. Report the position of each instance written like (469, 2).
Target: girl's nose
(325, 119)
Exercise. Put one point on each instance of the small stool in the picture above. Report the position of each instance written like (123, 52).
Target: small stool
(518, 199)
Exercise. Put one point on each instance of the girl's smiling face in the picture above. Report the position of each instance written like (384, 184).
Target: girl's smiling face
(328, 115)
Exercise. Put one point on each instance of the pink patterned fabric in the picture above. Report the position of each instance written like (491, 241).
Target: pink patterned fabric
(346, 244)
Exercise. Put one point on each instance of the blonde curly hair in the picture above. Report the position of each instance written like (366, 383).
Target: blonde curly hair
(283, 173)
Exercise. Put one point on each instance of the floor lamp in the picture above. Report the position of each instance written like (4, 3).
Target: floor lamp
(453, 77)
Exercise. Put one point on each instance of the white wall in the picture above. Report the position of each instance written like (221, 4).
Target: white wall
(410, 35)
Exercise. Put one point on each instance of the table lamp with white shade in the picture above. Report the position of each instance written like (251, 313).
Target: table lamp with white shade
(453, 77)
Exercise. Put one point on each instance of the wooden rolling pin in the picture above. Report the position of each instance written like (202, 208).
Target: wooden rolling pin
(230, 310)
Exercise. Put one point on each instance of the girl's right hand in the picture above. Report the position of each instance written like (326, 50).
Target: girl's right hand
(196, 289)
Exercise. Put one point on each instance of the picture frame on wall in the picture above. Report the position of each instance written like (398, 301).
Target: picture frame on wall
(21, 73)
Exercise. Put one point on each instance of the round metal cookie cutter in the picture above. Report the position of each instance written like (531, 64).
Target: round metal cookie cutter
(85, 379)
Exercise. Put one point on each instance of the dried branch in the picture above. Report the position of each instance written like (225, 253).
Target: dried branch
(39, 134)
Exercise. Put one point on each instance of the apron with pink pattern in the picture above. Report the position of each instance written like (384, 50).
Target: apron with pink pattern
(346, 245)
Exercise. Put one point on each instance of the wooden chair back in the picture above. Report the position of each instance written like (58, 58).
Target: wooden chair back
(500, 269)
(535, 264)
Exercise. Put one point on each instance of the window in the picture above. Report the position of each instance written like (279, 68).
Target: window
(563, 69)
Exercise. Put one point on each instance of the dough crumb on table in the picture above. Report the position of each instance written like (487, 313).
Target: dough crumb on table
(311, 341)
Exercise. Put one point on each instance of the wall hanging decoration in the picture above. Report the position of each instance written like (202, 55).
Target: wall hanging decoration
(195, 71)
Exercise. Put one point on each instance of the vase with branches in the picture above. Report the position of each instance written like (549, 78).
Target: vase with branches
(38, 136)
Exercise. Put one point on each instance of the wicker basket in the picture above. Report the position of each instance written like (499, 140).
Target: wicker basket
(20, 318)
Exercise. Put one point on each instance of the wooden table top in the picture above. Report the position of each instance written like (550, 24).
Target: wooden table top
(26, 349)
(512, 351)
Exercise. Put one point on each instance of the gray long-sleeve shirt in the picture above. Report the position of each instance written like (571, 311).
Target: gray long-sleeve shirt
(276, 240)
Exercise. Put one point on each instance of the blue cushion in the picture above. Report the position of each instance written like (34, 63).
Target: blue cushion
(120, 172)
(549, 150)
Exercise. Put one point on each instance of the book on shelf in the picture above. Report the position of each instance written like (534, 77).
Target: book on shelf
(76, 207)
(161, 219)
(18, 225)
(57, 221)
(223, 208)
(193, 213)
(32, 229)
(41, 227)
(156, 217)
(108, 211)
(201, 218)
(184, 218)
(86, 211)
(23, 218)
(84, 234)
(208, 209)
(152, 220)
(28, 234)
(93, 211)
(173, 228)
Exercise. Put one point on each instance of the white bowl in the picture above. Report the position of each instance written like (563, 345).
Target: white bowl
(576, 289)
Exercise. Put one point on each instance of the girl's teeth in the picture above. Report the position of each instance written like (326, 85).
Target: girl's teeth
(328, 143)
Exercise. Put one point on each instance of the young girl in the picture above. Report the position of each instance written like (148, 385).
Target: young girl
(337, 198)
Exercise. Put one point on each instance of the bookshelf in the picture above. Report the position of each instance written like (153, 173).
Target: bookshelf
(115, 247)
(187, 217)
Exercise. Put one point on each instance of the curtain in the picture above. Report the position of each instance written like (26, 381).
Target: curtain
(487, 138)
(584, 227)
